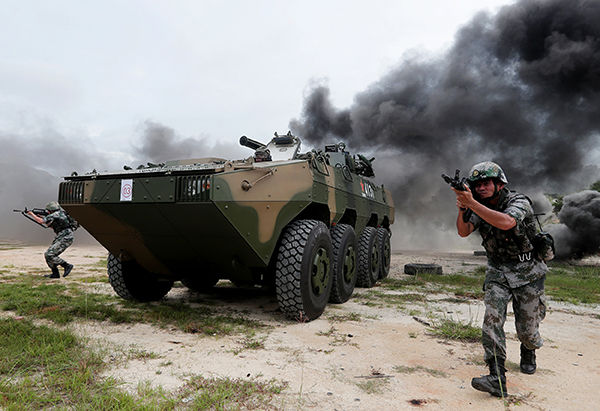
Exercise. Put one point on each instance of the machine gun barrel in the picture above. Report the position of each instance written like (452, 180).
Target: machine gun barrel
(248, 142)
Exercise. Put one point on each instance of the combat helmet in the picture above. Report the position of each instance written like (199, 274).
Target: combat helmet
(486, 169)
(52, 206)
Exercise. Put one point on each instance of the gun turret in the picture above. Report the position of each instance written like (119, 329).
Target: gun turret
(248, 142)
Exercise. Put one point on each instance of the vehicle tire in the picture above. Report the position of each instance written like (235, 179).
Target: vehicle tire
(132, 282)
(201, 282)
(303, 270)
(385, 251)
(414, 269)
(368, 258)
(343, 241)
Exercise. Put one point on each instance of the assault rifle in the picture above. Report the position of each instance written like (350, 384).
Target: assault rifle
(458, 184)
(41, 212)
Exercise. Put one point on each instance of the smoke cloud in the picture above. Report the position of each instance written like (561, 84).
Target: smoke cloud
(578, 234)
(159, 143)
(520, 88)
(32, 165)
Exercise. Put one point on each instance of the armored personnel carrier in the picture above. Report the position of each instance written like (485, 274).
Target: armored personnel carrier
(312, 225)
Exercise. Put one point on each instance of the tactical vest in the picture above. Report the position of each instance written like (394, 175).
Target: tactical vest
(60, 221)
(512, 245)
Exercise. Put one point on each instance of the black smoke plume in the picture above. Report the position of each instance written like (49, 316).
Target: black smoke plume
(159, 143)
(521, 87)
(579, 231)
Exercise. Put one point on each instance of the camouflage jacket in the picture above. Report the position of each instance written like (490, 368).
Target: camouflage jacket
(511, 257)
(58, 221)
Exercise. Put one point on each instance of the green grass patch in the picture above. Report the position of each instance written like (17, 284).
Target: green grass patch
(338, 318)
(45, 368)
(42, 368)
(573, 284)
(91, 279)
(228, 394)
(373, 385)
(464, 285)
(58, 303)
(9, 246)
(250, 342)
(376, 297)
(402, 369)
(455, 330)
(64, 303)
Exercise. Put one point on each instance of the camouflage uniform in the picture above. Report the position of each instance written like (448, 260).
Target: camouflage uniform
(514, 272)
(64, 237)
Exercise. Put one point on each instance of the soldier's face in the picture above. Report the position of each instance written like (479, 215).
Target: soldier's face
(485, 188)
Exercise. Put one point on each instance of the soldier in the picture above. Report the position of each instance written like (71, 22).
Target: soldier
(506, 224)
(58, 220)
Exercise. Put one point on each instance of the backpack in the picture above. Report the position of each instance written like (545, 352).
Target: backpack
(73, 224)
(543, 242)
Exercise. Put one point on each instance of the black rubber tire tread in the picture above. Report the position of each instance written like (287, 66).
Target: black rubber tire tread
(367, 274)
(131, 282)
(299, 240)
(201, 282)
(342, 236)
(383, 239)
(414, 269)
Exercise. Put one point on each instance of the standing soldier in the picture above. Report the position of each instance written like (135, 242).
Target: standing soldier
(58, 220)
(506, 223)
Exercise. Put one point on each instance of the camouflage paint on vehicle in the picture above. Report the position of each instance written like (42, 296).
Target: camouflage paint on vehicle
(184, 218)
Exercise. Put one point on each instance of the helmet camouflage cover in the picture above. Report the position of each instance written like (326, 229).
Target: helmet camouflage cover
(52, 206)
(486, 169)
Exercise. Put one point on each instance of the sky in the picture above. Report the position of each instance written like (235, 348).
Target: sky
(96, 72)
(97, 84)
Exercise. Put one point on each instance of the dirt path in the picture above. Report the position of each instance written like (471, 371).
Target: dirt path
(386, 360)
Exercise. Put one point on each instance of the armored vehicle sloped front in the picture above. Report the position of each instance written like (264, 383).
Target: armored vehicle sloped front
(312, 225)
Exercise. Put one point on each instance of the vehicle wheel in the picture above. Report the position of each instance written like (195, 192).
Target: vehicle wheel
(132, 282)
(343, 242)
(385, 251)
(368, 258)
(303, 275)
(201, 282)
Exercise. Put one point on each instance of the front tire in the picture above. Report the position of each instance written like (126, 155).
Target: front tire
(132, 282)
(344, 243)
(303, 270)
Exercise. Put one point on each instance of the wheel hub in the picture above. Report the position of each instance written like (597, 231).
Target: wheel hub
(320, 271)
(386, 254)
(349, 264)
(375, 260)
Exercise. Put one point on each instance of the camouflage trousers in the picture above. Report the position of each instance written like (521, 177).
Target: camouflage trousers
(529, 306)
(60, 244)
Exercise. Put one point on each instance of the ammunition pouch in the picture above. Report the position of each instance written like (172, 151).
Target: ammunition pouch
(543, 245)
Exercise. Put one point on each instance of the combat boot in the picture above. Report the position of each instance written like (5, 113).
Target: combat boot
(495, 382)
(68, 267)
(54, 274)
(527, 365)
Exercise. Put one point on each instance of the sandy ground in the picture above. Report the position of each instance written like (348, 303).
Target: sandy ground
(387, 360)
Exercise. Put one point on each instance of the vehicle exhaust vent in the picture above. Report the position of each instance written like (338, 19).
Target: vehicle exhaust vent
(193, 188)
(70, 192)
